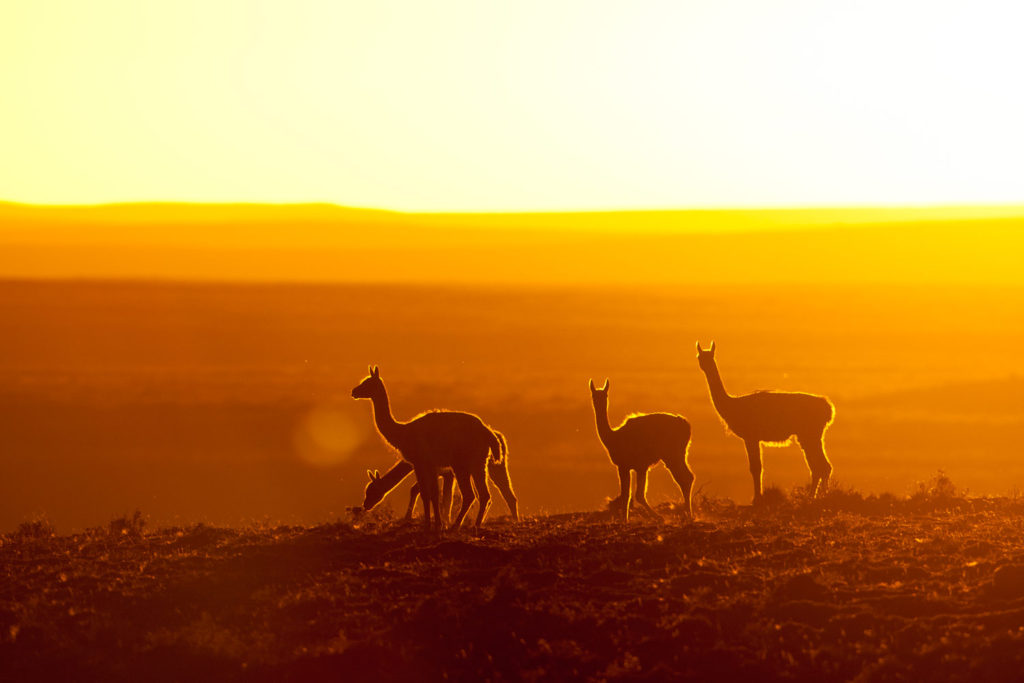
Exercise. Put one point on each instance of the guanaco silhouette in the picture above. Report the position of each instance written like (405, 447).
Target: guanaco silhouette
(637, 444)
(380, 485)
(436, 440)
(774, 418)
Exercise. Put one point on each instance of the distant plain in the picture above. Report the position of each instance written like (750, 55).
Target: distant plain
(229, 403)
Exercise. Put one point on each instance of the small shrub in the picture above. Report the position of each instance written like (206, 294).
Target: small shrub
(711, 505)
(840, 498)
(775, 498)
(377, 518)
(37, 530)
(938, 493)
(939, 486)
(130, 527)
(882, 503)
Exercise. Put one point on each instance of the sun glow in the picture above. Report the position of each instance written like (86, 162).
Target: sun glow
(328, 435)
(512, 106)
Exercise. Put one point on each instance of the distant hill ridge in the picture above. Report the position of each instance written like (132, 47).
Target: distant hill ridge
(689, 220)
(324, 242)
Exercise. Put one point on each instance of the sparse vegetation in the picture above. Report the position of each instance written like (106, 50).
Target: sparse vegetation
(131, 526)
(839, 587)
(38, 529)
(937, 493)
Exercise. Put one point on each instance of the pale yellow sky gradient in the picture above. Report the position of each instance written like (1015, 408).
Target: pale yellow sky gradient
(513, 106)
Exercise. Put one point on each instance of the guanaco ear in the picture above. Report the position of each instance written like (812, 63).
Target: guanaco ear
(712, 347)
(376, 475)
(369, 473)
(375, 371)
(605, 387)
(591, 385)
(698, 348)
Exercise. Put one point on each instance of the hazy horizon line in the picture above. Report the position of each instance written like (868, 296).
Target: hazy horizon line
(741, 208)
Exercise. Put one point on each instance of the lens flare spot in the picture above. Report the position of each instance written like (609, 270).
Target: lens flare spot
(328, 435)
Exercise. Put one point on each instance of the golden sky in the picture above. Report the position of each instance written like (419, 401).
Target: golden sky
(529, 105)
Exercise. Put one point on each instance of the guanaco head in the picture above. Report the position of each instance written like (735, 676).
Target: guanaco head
(706, 359)
(375, 490)
(371, 386)
(599, 396)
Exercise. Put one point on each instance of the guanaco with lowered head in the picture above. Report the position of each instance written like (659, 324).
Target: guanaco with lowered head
(436, 440)
(380, 485)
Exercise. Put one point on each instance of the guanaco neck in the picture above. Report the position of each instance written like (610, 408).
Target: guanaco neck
(604, 429)
(720, 398)
(393, 477)
(388, 427)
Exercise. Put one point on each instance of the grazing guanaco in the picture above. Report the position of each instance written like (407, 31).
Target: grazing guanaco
(380, 485)
(435, 440)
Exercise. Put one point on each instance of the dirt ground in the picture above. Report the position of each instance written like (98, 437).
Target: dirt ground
(928, 586)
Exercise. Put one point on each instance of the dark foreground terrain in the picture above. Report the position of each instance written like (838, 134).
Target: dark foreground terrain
(926, 587)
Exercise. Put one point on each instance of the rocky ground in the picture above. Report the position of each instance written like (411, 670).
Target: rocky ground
(848, 587)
